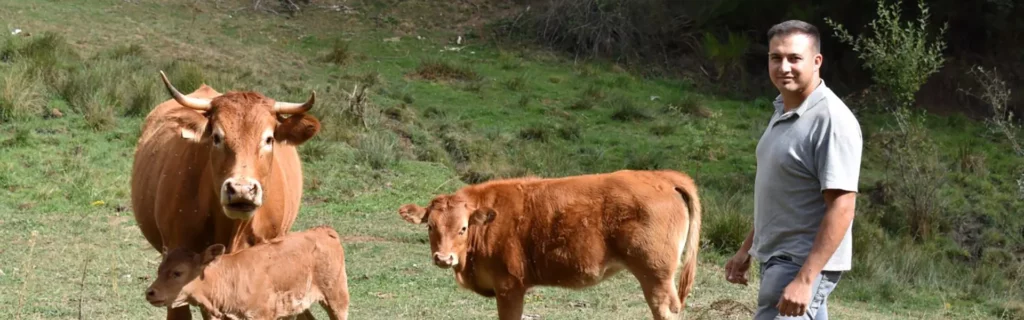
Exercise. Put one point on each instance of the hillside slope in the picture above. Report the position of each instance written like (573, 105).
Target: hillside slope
(439, 113)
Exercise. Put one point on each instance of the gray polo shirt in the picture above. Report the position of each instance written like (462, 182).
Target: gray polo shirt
(814, 147)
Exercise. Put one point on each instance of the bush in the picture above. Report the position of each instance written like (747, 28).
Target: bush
(20, 93)
(589, 27)
(379, 149)
(732, 221)
(914, 174)
(996, 94)
(899, 57)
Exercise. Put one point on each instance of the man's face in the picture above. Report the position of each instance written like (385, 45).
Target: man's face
(793, 62)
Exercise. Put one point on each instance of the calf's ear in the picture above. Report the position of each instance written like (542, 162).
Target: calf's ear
(212, 253)
(296, 129)
(482, 216)
(413, 213)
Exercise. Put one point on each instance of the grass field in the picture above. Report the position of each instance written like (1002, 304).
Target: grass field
(439, 114)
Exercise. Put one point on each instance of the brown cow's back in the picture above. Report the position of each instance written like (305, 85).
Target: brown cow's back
(566, 225)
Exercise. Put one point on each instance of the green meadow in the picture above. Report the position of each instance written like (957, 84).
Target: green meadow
(408, 112)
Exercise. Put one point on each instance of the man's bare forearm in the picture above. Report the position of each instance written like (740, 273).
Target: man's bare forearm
(837, 220)
(748, 242)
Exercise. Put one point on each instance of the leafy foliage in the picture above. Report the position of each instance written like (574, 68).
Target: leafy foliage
(899, 55)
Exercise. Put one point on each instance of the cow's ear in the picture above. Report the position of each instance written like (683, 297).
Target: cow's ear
(482, 216)
(192, 125)
(212, 252)
(297, 129)
(413, 213)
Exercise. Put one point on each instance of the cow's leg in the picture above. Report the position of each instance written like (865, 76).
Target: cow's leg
(658, 289)
(510, 302)
(179, 313)
(336, 304)
(306, 315)
(336, 310)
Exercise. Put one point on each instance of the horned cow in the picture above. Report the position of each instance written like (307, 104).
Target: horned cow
(214, 168)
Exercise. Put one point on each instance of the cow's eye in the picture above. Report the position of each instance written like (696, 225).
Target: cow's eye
(463, 230)
(216, 139)
(270, 140)
(177, 274)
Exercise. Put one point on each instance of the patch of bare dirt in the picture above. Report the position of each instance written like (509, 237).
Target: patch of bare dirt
(722, 309)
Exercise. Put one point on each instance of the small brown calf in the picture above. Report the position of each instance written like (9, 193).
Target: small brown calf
(282, 277)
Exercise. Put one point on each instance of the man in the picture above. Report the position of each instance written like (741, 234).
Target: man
(808, 166)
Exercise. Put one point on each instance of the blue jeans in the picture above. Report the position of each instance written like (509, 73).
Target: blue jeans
(776, 274)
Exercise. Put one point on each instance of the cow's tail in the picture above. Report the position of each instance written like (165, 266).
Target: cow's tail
(688, 190)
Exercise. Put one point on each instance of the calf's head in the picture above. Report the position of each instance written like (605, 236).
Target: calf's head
(241, 130)
(179, 268)
(448, 219)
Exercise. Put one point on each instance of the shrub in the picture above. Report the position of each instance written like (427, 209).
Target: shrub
(589, 27)
(900, 57)
(726, 229)
(914, 174)
(340, 53)
(20, 94)
(726, 55)
(996, 94)
(379, 149)
(440, 70)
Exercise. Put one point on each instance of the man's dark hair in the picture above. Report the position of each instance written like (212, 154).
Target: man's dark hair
(789, 27)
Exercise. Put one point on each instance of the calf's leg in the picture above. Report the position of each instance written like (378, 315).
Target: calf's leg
(336, 303)
(336, 296)
(337, 310)
(658, 287)
(306, 315)
(179, 313)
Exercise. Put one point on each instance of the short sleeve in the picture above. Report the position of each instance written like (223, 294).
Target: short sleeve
(838, 155)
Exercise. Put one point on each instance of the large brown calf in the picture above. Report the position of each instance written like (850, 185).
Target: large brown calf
(503, 237)
(280, 278)
(214, 168)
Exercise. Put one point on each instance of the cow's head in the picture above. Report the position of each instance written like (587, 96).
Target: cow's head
(179, 268)
(449, 219)
(242, 130)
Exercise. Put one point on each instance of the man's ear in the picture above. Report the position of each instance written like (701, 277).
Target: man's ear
(413, 213)
(297, 129)
(212, 252)
(482, 216)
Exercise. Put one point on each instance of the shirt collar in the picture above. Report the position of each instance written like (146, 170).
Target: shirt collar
(810, 102)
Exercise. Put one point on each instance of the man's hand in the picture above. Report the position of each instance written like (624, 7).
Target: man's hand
(736, 268)
(795, 299)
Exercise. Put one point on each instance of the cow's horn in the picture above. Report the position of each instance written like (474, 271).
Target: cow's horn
(295, 108)
(191, 102)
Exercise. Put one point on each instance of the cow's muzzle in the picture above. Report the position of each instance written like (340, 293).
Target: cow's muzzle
(445, 260)
(153, 299)
(241, 197)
